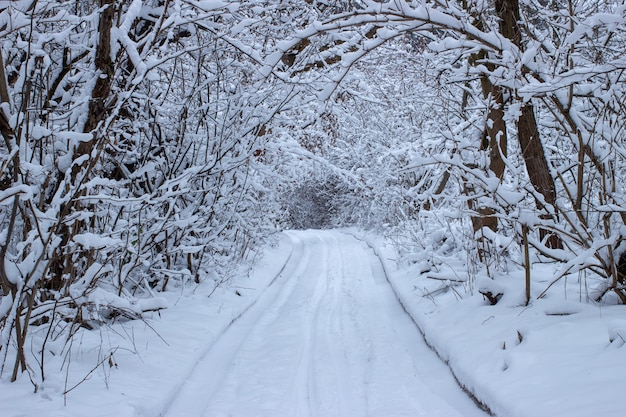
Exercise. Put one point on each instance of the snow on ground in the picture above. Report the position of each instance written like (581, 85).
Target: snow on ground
(316, 330)
(328, 339)
(556, 357)
(150, 360)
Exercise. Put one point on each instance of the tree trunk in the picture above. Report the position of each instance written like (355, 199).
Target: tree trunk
(104, 66)
(5, 128)
(527, 131)
(6, 180)
(61, 266)
(494, 142)
(534, 156)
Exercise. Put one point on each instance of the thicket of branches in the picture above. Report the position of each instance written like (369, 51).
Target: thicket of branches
(528, 140)
(153, 143)
(131, 160)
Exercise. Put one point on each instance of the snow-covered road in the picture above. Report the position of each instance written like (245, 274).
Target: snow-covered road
(327, 338)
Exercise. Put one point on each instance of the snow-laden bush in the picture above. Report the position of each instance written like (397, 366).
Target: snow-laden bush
(129, 164)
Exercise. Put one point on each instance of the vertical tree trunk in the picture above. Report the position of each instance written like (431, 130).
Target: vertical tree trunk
(496, 130)
(104, 66)
(5, 128)
(62, 264)
(534, 156)
(4, 88)
(527, 131)
(494, 142)
(6, 180)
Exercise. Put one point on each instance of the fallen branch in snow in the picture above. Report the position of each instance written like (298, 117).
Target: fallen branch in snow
(444, 278)
(86, 377)
(493, 298)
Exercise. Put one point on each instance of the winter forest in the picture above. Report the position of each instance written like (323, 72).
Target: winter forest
(153, 145)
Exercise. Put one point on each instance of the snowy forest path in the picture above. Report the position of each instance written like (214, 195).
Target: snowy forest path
(327, 338)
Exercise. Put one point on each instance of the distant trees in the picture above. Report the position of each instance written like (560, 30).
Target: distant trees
(549, 77)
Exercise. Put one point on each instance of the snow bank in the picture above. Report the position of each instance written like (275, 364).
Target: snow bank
(135, 368)
(555, 357)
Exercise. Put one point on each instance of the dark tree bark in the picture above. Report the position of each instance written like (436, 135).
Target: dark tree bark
(62, 265)
(494, 139)
(495, 142)
(104, 65)
(6, 180)
(527, 131)
(5, 128)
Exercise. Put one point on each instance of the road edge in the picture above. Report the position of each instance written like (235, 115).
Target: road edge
(403, 303)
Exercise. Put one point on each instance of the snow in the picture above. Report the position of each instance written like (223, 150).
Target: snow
(21, 190)
(327, 326)
(556, 357)
(141, 364)
(324, 340)
(206, 158)
(94, 241)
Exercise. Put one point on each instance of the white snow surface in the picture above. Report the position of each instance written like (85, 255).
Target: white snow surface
(327, 326)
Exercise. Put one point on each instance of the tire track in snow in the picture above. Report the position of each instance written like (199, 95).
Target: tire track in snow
(441, 384)
(183, 400)
(337, 392)
(269, 374)
(306, 376)
(354, 341)
(327, 339)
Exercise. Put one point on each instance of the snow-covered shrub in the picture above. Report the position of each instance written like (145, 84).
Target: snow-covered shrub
(528, 116)
(128, 163)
